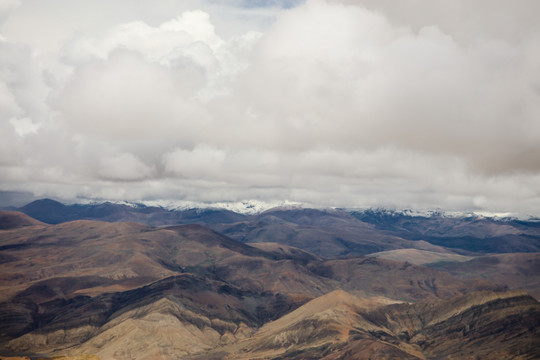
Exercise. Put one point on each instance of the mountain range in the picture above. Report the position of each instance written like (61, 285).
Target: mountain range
(280, 284)
(326, 232)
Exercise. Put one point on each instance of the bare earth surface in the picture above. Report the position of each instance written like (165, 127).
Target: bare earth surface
(89, 289)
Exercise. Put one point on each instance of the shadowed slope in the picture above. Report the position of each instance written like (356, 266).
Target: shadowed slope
(517, 271)
(326, 233)
(463, 234)
(200, 312)
(319, 328)
(329, 233)
(54, 212)
(397, 280)
(478, 325)
(121, 256)
(340, 326)
(127, 290)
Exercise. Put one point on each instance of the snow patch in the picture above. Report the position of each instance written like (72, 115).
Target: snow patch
(248, 207)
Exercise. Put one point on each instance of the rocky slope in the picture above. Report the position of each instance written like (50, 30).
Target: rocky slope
(45, 262)
(177, 316)
(131, 291)
(482, 325)
(517, 270)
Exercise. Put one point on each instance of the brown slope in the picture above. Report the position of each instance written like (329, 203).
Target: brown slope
(176, 316)
(280, 250)
(420, 257)
(123, 255)
(321, 323)
(482, 325)
(517, 271)
(326, 233)
(49, 262)
(396, 280)
(317, 329)
(360, 276)
(16, 219)
(127, 255)
(81, 248)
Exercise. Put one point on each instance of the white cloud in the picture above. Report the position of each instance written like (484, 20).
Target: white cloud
(189, 35)
(342, 103)
(6, 7)
(24, 126)
(202, 162)
(124, 166)
(127, 100)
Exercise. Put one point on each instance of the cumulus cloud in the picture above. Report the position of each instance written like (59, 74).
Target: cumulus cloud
(335, 103)
(6, 7)
(24, 126)
(124, 166)
(377, 84)
(201, 162)
(125, 99)
(189, 35)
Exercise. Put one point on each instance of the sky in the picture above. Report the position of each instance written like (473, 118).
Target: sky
(412, 104)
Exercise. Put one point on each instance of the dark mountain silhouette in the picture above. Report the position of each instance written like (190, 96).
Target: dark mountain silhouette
(54, 212)
(459, 233)
(49, 211)
(326, 233)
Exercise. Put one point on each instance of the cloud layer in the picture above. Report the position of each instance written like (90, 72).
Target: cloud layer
(425, 105)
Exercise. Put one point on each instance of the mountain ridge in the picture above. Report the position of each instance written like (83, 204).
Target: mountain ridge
(256, 207)
(132, 291)
(335, 232)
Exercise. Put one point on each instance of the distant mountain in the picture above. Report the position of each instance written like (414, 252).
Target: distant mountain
(334, 233)
(54, 212)
(49, 211)
(329, 233)
(469, 233)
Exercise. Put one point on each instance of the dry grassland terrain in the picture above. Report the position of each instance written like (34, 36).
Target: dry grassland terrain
(87, 289)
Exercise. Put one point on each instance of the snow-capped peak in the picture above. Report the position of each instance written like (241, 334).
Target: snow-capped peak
(248, 207)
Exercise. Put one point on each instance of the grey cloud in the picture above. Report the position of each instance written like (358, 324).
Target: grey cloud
(394, 86)
(125, 167)
(350, 103)
(6, 7)
(127, 99)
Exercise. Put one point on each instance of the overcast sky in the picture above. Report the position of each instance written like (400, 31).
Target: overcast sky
(362, 103)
